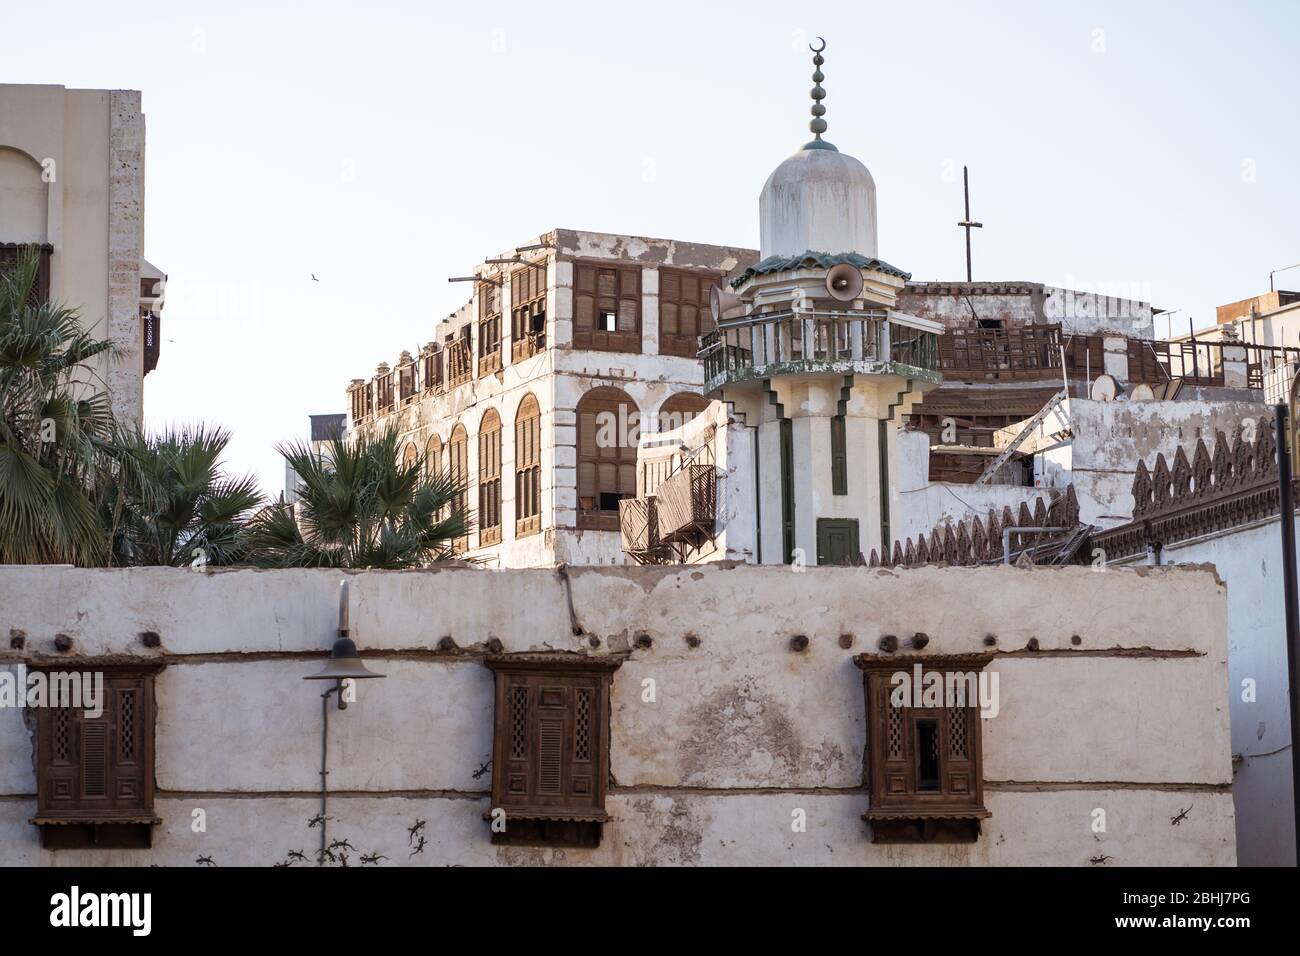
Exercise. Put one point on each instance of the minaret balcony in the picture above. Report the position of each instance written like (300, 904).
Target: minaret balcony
(769, 344)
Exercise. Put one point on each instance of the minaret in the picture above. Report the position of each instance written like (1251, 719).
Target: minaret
(812, 354)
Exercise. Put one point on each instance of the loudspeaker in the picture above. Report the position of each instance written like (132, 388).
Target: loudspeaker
(722, 301)
(844, 282)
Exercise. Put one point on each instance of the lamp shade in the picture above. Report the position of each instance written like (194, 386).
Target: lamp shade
(344, 662)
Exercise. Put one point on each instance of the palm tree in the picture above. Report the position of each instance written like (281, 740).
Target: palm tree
(55, 421)
(172, 505)
(360, 507)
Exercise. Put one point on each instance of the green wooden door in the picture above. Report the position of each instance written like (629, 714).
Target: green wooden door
(837, 540)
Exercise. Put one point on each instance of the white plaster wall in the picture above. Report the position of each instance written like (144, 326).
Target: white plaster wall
(942, 502)
(1250, 562)
(741, 731)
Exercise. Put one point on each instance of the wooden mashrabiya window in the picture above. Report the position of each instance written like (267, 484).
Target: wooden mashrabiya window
(527, 311)
(606, 307)
(489, 327)
(95, 774)
(550, 748)
(925, 763)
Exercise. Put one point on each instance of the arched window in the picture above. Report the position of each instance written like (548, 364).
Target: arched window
(489, 479)
(410, 454)
(609, 427)
(433, 456)
(528, 467)
(458, 468)
(680, 409)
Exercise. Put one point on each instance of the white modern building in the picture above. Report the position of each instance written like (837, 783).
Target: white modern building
(72, 189)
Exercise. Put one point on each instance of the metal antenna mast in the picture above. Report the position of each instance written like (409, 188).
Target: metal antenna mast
(968, 224)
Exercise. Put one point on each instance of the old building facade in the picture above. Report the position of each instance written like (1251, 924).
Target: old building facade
(536, 392)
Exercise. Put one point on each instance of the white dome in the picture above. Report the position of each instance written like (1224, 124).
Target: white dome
(818, 200)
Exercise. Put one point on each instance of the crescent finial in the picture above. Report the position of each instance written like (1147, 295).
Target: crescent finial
(820, 49)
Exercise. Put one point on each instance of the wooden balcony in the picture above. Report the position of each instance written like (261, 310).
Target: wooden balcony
(687, 505)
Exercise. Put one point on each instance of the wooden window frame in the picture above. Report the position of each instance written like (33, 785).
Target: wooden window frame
(550, 748)
(528, 467)
(71, 813)
(458, 358)
(408, 387)
(678, 342)
(589, 333)
(458, 468)
(489, 327)
(362, 404)
(623, 459)
(431, 371)
(384, 402)
(527, 307)
(489, 479)
(901, 811)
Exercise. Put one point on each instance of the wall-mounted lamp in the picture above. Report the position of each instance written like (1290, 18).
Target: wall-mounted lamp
(344, 664)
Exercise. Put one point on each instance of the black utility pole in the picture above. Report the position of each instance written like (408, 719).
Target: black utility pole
(1287, 516)
(967, 223)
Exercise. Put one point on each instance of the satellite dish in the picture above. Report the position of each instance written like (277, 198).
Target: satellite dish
(1104, 389)
(844, 282)
(722, 301)
(1142, 393)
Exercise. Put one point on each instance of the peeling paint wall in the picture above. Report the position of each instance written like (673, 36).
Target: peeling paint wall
(1111, 437)
(963, 305)
(1112, 709)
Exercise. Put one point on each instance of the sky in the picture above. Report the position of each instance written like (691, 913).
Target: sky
(1145, 149)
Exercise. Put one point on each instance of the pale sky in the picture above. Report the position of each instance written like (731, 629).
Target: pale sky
(1146, 149)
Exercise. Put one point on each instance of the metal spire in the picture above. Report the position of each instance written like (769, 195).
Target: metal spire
(818, 125)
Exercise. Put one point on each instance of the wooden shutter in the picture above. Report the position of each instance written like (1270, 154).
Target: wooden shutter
(551, 746)
(684, 312)
(904, 807)
(607, 290)
(528, 467)
(605, 473)
(458, 466)
(97, 771)
(489, 477)
(839, 457)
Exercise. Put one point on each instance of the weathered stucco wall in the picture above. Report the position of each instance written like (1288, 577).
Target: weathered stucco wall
(1109, 709)
(1249, 560)
(1111, 437)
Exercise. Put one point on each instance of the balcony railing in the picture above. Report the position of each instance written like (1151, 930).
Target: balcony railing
(785, 342)
(1022, 352)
